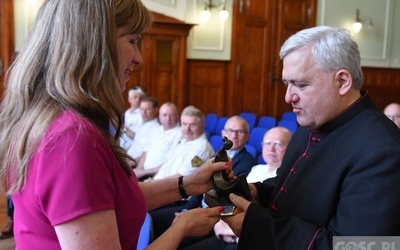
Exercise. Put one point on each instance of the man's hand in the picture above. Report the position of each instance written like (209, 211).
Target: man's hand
(236, 222)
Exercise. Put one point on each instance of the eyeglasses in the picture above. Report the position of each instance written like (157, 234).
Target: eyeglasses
(276, 144)
(393, 117)
(239, 132)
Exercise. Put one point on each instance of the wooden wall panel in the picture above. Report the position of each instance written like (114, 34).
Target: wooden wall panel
(383, 84)
(207, 89)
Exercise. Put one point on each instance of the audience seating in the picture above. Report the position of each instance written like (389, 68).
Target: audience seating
(146, 233)
(256, 137)
(291, 125)
(260, 159)
(220, 125)
(251, 150)
(216, 142)
(251, 119)
(214, 125)
(289, 116)
(210, 120)
(267, 122)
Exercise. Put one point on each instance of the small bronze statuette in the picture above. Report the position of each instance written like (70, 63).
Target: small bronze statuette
(224, 186)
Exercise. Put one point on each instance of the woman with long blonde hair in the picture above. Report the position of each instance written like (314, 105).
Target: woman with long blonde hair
(65, 172)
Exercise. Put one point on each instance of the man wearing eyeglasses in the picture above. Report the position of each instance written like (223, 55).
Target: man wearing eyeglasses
(237, 130)
(273, 149)
(392, 111)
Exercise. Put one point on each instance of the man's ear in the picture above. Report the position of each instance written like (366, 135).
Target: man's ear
(345, 81)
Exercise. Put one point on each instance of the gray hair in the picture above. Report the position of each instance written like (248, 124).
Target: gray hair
(332, 47)
(193, 111)
(240, 119)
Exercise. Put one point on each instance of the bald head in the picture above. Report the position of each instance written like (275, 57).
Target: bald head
(393, 112)
(168, 115)
(274, 145)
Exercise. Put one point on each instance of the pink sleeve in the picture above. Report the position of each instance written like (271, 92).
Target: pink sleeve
(70, 167)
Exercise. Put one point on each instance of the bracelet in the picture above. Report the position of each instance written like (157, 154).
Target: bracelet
(182, 188)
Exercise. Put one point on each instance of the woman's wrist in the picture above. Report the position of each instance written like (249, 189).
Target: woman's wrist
(181, 187)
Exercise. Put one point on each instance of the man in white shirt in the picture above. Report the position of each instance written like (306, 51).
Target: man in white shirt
(149, 112)
(273, 149)
(132, 116)
(192, 151)
(162, 142)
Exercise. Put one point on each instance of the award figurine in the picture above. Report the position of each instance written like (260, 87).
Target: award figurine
(224, 186)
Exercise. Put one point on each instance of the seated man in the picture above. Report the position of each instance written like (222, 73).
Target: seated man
(133, 117)
(237, 130)
(393, 112)
(149, 112)
(274, 147)
(161, 143)
(190, 152)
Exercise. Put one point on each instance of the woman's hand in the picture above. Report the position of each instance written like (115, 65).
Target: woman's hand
(200, 181)
(198, 221)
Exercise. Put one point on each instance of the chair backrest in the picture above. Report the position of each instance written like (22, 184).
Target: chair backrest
(292, 126)
(251, 150)
(220, 125)
(267, 122)
(216, 142)
(146, 233)
(210, 122)
(260, 159)
(250, 118)
(289, 116)
(256, 137)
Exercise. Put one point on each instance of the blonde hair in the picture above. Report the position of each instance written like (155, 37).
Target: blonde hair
(69, 61)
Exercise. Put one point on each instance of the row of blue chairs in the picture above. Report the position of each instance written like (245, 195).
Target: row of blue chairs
(214, 124)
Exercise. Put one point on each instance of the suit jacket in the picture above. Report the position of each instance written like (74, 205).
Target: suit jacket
(340, 179)
(242, 162)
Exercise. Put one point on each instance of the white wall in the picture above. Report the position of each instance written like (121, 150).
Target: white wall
(379, 44)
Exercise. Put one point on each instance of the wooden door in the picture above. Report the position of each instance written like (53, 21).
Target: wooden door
(291, 16)
(160, 70)
(163, 49)
(6, 38)
(251, 42)
(260, 28)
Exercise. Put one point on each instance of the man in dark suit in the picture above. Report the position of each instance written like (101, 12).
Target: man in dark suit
(237, 130)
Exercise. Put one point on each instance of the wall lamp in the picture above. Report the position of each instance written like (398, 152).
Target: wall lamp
(205, 14)
(357, 25)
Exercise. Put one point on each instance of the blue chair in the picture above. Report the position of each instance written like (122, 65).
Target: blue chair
(146, 233)
(289, 116)
(292, 126)
(251, 150)
(250, 118)
(208, 134)
(220, 125)
(260, 159)
(256, 137)
(210, 123)
(216, 142)
(267, 122)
